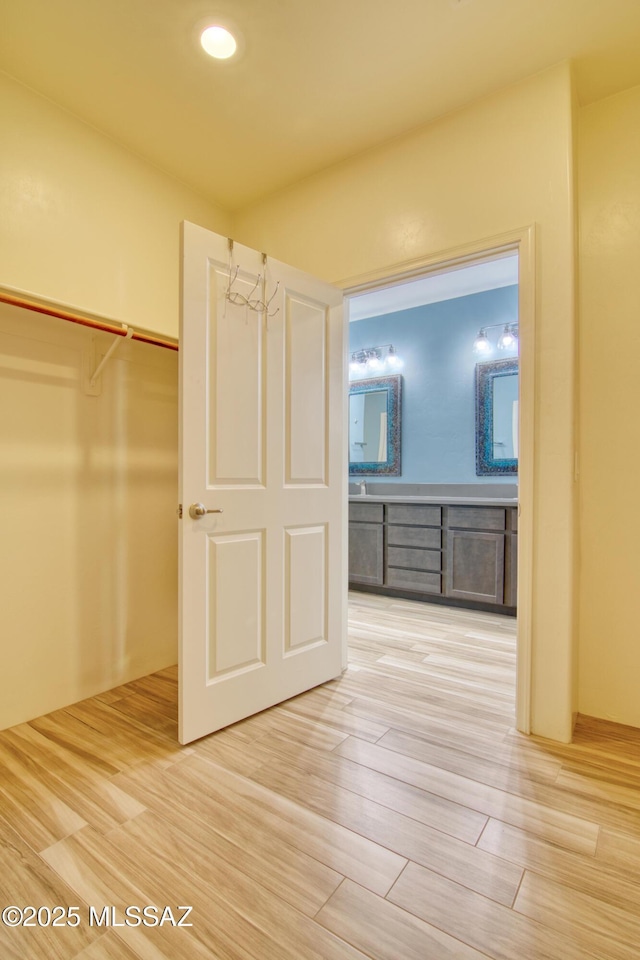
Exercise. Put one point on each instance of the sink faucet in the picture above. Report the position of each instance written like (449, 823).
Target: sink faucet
(363, 487)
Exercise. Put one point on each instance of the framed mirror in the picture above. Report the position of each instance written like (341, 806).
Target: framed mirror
(374, 426)
(497, 385)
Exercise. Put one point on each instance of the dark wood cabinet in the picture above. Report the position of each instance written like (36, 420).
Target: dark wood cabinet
(511, 560)
(511, 571)
(366, 543)
(475, 566)
(366, 551)
(463, 554)
(475, 553)
(414, 547)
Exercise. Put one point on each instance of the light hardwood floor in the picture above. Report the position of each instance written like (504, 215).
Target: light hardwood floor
(392, 814)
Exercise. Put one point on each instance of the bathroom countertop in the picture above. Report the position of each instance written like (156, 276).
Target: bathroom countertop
(464, 501)
(472, 494)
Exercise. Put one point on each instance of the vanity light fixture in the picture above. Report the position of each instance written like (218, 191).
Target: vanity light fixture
(374, 360)
(508, 339)
(218, 42)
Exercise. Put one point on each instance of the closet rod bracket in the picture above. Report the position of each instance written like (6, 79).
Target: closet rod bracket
(117, 340)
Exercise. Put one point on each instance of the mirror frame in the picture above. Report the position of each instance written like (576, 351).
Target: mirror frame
(391, 466)
(486, 463)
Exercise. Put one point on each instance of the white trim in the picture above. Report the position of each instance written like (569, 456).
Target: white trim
(526, 477)
(521, 240)
(500, 246)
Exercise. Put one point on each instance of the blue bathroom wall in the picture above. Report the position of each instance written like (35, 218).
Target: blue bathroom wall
(438, 380)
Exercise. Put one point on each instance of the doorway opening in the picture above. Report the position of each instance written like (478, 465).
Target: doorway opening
(459, 332)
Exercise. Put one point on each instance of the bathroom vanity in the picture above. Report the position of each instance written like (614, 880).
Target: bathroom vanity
(452, 544)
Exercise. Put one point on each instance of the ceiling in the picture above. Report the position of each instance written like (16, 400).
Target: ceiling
(460, 281)
(317, 80)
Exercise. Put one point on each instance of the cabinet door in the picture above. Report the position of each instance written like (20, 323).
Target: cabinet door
(511, 571)
(366, 553)
(475, 566)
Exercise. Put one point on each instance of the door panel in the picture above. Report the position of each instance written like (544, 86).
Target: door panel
(236, 638)
(236, 360)
(306, 392)
(306, 588)
(263, 415)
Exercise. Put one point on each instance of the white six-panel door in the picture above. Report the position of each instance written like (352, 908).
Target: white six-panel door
(263, 582)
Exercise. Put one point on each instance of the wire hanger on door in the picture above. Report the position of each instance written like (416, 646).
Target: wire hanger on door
(253, 300)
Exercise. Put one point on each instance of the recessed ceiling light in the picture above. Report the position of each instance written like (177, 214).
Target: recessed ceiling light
(218, 42)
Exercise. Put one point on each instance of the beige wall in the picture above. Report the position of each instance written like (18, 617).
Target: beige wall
(609, 191)
(88, 485)
(85, 222)
(501, 164)
(88, 492)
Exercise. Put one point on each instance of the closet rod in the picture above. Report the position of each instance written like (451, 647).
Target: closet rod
(85, 321)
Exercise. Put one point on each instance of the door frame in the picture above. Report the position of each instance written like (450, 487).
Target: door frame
(523, 242)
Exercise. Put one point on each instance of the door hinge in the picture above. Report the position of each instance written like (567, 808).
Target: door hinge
(179, 511)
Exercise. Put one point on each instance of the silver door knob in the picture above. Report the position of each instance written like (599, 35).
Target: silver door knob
(197, 510)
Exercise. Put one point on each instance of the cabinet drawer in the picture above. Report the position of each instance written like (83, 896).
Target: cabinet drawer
(414, 580)
(477, 518)
(428, 537)
(414, 559)
(366, 512)
(423, 513)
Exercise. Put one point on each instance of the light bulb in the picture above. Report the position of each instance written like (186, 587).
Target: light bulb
(218, 42)
(393, 359)
(481, 344)
(507, 339)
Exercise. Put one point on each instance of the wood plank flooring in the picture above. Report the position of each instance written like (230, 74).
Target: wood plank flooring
(393, 814)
